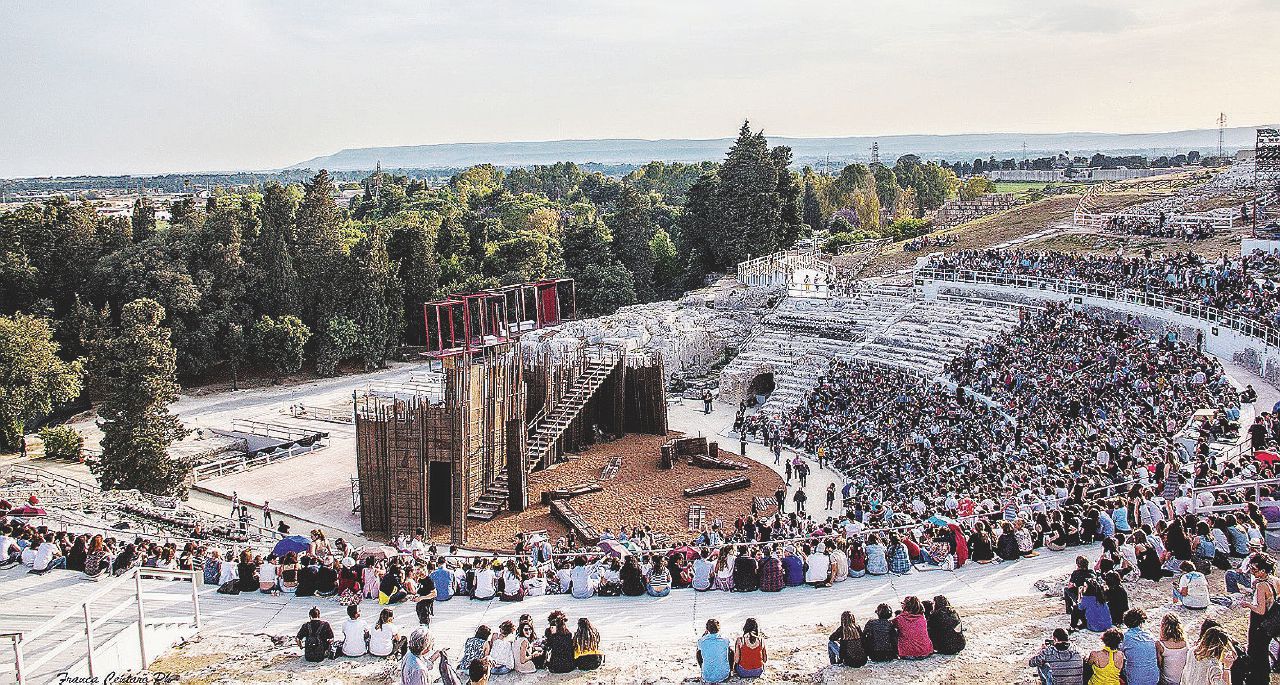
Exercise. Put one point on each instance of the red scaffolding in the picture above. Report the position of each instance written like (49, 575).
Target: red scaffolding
(468, 323)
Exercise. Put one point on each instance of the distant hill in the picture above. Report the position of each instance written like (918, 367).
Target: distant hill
(806, 150)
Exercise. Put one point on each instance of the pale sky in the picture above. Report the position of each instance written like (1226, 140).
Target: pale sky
(133, 87)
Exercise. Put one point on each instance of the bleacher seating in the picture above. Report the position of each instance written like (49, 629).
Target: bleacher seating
(884, 324)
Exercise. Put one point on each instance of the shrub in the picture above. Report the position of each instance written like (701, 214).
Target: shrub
(62, 442)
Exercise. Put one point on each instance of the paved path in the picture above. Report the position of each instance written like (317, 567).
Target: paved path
(689, 419)
(666, 625)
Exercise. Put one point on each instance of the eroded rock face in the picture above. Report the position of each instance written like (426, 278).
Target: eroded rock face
(692, 333)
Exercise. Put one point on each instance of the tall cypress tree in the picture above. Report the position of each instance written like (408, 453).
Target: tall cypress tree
(276, 277)
(319, 249)
(747, 203)
(143, 219)
(376, 299)
(137, 372)
(633, 227)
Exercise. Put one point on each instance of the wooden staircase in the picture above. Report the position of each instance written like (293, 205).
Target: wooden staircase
(492, 502)
(544, 435)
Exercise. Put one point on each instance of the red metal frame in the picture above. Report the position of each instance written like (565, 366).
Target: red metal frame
(494, 316)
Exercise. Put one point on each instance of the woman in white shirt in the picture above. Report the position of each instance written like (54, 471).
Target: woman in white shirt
(502, 649)
(486, 583)
(268, 576)
(227, 571)
(384, 639)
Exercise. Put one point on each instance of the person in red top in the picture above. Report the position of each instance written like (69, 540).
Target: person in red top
(966, 506)
(749, 651)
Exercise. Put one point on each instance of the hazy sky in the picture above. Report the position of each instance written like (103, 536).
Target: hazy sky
(133, 87)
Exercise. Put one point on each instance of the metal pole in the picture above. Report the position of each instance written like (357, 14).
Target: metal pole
(142, 617)
(17, 659)
(88, 637)
(195, 598)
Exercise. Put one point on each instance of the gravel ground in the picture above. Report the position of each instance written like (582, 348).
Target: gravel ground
(641, 491)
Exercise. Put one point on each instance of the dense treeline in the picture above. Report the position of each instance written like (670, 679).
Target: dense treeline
(279, 277)
(282, 276)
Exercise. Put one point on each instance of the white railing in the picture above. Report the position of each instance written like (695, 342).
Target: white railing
(1103, 219)
(244, 462)
(1252, 328)
(1255, 485)
(776, 268)
(84, 612)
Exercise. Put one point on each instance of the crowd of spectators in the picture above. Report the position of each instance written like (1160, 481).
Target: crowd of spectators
(1245, 285)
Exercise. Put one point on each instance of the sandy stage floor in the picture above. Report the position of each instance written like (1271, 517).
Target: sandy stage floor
(640, 492)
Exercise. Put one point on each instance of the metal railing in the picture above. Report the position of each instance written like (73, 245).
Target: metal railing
(1255, 485)
(244, 462)
(1268, 335)
(84, 612)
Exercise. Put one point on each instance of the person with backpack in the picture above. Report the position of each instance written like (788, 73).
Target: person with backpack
(315, 637)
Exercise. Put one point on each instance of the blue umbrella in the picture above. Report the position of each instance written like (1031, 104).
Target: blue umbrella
(291, 543)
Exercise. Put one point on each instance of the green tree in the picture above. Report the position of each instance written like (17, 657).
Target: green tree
(62, 443)
(137, 370)
(279, 343)
(33, 378)
(320, 244)
(338, 337)
(633, 228)
(975, 187)
(274, 275)
(667, 269)
(602, 288)
(412, 246)
(376, 301)
(143, 219)
(748, 204)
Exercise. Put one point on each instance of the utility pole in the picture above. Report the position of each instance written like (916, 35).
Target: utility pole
(875, 152)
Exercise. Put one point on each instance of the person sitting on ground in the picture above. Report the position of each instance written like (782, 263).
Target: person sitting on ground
(528, 648)
(586, 647)
(1211, 662)
(559, 645)
(315, 637)
(1192, 589)
(582, 583)
(746, 572)
(97, 560)
(486, 583)
(880, 635)
(945, 629)
(1058, 663)
(1141, 665)
(419, 663)
(632, 577)
(1171, 649)
(844, 646)
(714, 654)
(818, 573)
(1117, 597)
(772, 577)
(1093, 602)
(46, 556)
(913, 630)
(659, 583)
(478, 672)
(384, 639)
(502, 652)
(1108, 661)
(355, 634)
(750, 653)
